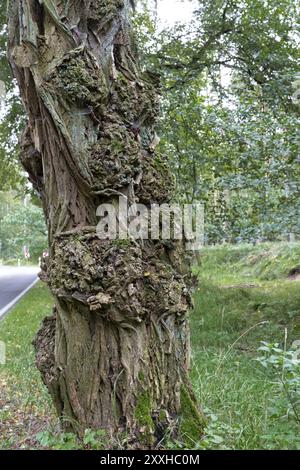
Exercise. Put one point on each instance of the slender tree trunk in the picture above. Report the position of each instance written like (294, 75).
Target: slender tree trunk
(115, 355)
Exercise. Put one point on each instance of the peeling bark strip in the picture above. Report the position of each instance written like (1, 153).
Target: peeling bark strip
(116, 353)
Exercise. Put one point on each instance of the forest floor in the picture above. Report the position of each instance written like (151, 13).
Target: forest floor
(247, 295)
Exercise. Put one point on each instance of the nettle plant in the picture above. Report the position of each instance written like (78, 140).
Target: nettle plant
(283, 366)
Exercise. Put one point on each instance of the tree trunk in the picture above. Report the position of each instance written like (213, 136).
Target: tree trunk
(115, 355)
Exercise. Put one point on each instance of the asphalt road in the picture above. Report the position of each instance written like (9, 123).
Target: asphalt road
(14, 283)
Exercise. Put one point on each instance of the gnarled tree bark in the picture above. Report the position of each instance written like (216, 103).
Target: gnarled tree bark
(115, 355)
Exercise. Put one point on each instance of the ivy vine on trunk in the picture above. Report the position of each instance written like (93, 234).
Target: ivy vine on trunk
(115, 354)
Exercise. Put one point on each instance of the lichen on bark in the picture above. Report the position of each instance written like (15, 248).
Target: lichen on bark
(116, 352)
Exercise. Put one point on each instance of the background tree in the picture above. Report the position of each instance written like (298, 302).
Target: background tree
(116, 353)
(230, 122)
(239, 160)
(11, 117)
(21, 224)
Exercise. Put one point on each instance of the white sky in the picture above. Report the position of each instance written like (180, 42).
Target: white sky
(171, 11)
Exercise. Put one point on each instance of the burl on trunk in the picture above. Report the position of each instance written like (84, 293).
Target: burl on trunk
(115, 355)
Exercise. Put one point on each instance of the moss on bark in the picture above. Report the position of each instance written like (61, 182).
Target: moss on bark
(143, 416)
(192, 420)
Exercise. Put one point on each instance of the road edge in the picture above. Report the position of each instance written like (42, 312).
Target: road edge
(4, 311)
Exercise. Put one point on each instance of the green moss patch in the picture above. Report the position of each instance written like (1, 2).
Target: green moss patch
(192, 422)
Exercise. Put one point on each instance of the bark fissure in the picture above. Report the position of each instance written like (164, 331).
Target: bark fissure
(115, 354)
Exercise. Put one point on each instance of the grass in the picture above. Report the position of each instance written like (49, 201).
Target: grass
(25, 407)
(19, 262)
(244, 297)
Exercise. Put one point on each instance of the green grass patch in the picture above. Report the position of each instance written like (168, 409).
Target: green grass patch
(25, 404)
(244, 298)
(245, 263)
